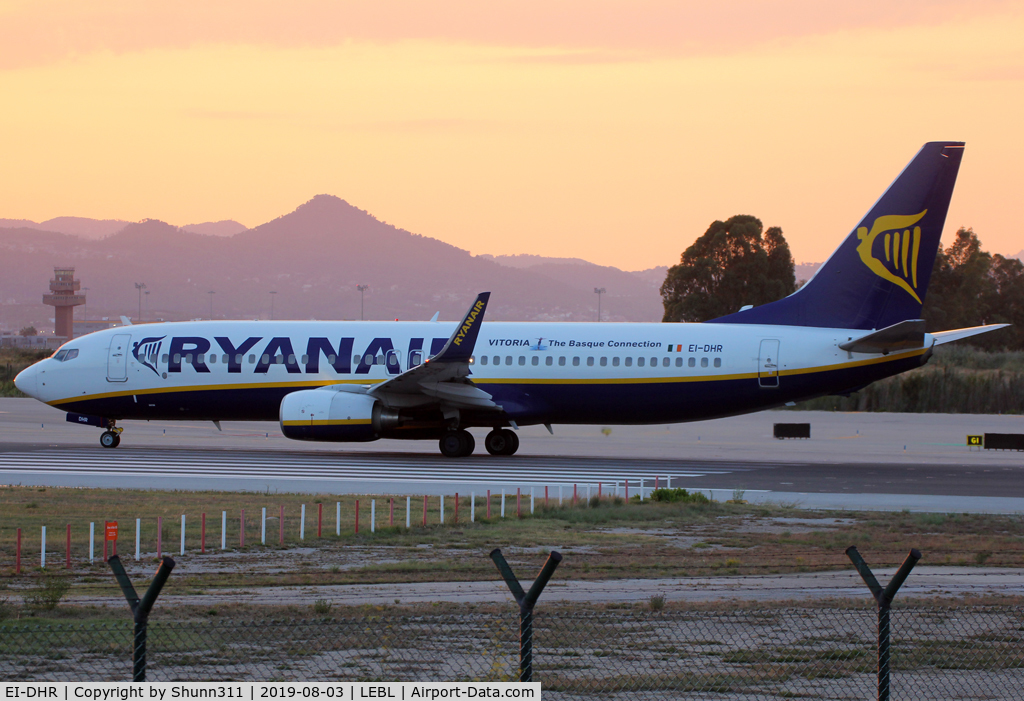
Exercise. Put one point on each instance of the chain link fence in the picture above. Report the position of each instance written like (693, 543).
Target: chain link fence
(826, 653)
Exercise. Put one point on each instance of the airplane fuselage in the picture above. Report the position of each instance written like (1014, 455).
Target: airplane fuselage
(570, 373)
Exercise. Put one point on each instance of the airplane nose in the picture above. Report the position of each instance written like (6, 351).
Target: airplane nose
(27, 381)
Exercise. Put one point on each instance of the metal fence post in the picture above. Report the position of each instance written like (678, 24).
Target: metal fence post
(883, 597)
(140, 609)
(526, 601)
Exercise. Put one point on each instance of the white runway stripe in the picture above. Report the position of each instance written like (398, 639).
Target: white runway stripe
(318, 466)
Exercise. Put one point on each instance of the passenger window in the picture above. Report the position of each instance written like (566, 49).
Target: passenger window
(188, 358)
(497, 360)
(200, 359)
(356, 359)
(615, 362)
(718, 362)
(522, 360)
(369, 359)
(265, 359)
(483, 360)
(535, 361)
(590, 362)
(692, 362)
(415, 358)
(252, 358)
(665, 361)
(575, 360)
(238, 359)
(279, 359)
(213, 358)
(640, 362)
(629, 361)
(654, 362)
(549, 360)
(224, 359)
(679, 361)
(604, 362)
(330, 359)
(177, 358)
(561, 360)
(703, 362)
(165, 358)
(380, 360)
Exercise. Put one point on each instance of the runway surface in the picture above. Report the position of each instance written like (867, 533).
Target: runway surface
(855, 461)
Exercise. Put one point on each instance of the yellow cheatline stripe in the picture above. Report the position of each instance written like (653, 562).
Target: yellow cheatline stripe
(508, 380)
(329, 422)
(213, 388)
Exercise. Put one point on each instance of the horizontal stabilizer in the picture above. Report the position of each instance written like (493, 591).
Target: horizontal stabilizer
(905, 335)
(957, 334)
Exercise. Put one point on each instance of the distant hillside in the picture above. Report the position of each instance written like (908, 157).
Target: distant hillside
(313, 258)
(227, 227)
(75, 226)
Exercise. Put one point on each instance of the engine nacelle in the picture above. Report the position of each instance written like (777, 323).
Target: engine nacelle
(329, 415)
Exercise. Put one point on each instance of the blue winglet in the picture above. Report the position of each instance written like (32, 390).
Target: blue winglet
(460, 346)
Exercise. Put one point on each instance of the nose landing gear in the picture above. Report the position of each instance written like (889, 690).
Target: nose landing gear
(111, 438)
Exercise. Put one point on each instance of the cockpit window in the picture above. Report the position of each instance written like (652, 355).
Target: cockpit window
(65, 355)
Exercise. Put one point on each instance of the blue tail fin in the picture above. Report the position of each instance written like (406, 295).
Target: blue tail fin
(879, 275)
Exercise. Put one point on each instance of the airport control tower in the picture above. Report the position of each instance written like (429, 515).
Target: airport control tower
(62, 297)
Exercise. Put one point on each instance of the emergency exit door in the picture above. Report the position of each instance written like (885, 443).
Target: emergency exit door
(768, 363)
(117, 358)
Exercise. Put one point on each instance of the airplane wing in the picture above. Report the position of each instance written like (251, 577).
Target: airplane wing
(444, 378)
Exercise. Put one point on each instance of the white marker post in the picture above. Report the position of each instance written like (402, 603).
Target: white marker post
(337, 518)
(503, 503)
(531, 500)
(223, 530)
(302, 524)
(138, 537)
(263, 527)
(42, 551)
(559, 495)
(408, 510)
(373, 515)
(92, 542)
(183, 534)
(472, 506)
(641, 489)
(442, 509)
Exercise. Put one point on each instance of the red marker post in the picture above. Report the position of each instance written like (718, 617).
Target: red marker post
(109, 535)
(456, 507)
(280, 523)
(357, 516)
(319, 519)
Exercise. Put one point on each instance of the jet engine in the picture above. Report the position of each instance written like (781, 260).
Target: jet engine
(331, 415)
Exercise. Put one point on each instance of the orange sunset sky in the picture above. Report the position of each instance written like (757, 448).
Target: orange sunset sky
(615, 131)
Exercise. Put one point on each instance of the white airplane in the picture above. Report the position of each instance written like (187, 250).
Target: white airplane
(856, 321)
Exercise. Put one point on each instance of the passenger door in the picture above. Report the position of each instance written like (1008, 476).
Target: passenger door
(768, 363)
(117, 358)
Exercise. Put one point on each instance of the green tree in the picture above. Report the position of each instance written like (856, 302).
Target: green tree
(970, 286)
(734, 263)
(28, 331)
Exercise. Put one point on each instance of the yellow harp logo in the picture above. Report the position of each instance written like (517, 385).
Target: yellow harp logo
(900, 247)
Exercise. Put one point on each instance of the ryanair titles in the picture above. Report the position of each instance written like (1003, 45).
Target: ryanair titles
(257, 354)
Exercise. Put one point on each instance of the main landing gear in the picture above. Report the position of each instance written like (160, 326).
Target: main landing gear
(457, 444)
(501, 441)
(460, 443)
(111, 438)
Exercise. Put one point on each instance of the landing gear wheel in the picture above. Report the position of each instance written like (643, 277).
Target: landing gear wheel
(513, 441)
(501, 442)
(109, 439)
(457, 444)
